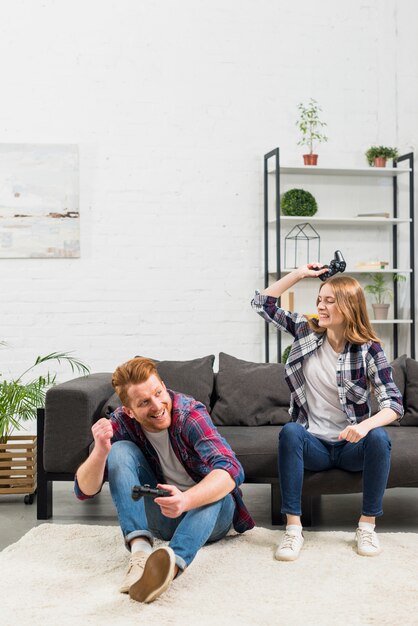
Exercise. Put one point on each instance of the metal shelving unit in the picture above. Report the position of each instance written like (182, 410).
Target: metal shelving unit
(273, 172)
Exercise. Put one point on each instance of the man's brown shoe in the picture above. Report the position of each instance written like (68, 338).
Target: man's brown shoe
(157, 576)
(135, 569)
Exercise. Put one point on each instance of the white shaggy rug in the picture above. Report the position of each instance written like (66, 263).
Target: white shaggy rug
(69, 575)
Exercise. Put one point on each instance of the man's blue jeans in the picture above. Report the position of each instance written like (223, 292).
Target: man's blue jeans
(127, 466)
(299, 450)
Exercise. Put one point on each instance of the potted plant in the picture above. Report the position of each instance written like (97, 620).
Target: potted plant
(380, 290)
(377, 155)
(310, 126)
(285, 354)
(20, 397)
(298, 202)
(19, 400)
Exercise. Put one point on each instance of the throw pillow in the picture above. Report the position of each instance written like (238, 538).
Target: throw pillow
(250, 394)
(411, 394)
(110, 405)
(193, 378)
(398, 367)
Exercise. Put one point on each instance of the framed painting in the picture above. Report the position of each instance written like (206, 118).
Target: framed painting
(39, 201)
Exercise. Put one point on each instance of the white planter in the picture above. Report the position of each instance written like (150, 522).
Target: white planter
(380, 311)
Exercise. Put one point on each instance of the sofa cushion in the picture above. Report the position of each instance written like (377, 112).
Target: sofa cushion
(194, 378)
(256, 449)
(399, 376)
(403, 462)
(250, 394)
(411, 394)
(111, 405)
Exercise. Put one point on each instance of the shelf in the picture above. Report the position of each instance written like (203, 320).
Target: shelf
(365, 192)
(390, 321)
(376, 172)
(342, 220)
(351, 270)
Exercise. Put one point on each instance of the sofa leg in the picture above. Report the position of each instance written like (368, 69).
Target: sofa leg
(44, 499)
(306, 511)
(276, 503)
(44, 486)
(310, 505)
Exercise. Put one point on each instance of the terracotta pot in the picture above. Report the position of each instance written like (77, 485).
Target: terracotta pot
(380, 161)
(310, 159)
(380, 311)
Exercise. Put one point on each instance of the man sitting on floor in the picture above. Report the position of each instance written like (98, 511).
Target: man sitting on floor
(163, 439)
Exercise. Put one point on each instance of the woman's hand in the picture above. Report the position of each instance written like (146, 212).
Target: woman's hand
(312, 270)
(355, 433)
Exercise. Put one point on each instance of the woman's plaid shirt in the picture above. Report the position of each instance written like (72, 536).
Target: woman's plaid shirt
(360, 368)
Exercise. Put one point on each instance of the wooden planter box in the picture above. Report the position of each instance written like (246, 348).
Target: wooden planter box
(18, 465)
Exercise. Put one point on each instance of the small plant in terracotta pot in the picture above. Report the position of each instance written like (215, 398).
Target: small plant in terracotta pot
(378, 155)
(310, 126)
(380, 290)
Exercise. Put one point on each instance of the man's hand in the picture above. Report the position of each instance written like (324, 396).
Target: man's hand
(353, 434)
(102, 432)
(172, 506)
(90, 473)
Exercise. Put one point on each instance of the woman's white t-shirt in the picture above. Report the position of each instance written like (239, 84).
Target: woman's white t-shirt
(326, 418)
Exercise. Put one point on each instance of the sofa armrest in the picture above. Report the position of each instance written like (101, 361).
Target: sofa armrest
(70, 410)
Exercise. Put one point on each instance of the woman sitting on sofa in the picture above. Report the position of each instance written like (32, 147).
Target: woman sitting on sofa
(334, 363)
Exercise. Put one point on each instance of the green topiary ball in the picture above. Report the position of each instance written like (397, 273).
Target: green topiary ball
(298, 202)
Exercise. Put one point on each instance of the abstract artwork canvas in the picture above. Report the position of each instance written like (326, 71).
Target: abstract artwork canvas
(39, 201)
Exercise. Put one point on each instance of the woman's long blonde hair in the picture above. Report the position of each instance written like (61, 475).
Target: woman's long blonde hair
(350, 300)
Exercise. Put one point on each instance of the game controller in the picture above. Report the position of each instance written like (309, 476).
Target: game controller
(145, 490)
(336, 265)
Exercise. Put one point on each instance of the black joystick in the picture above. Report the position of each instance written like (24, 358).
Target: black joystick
(145, 490)
(336, 265)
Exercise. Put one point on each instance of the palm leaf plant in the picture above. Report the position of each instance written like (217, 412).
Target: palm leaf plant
(19, 400)
(380, 289)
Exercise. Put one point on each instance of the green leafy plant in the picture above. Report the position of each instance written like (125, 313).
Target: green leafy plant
(310, 125)
(380, 151)
(380, 289)
(19, 400)
(298, 202)
(285, 354)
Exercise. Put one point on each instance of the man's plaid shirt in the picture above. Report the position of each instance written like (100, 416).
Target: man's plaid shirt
(196, 443)
(360, 368)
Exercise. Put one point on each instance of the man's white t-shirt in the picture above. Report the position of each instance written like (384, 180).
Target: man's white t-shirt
(173, 470)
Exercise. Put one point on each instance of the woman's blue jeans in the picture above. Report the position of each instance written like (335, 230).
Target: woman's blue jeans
(299, 450)
(127, 466)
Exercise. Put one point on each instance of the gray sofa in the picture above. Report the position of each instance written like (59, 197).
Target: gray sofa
(249, 404)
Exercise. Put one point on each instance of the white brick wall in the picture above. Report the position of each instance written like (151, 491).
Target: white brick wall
(173, 105)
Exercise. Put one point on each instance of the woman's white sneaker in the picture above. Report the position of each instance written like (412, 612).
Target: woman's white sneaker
(367, 542)
(290, 546)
